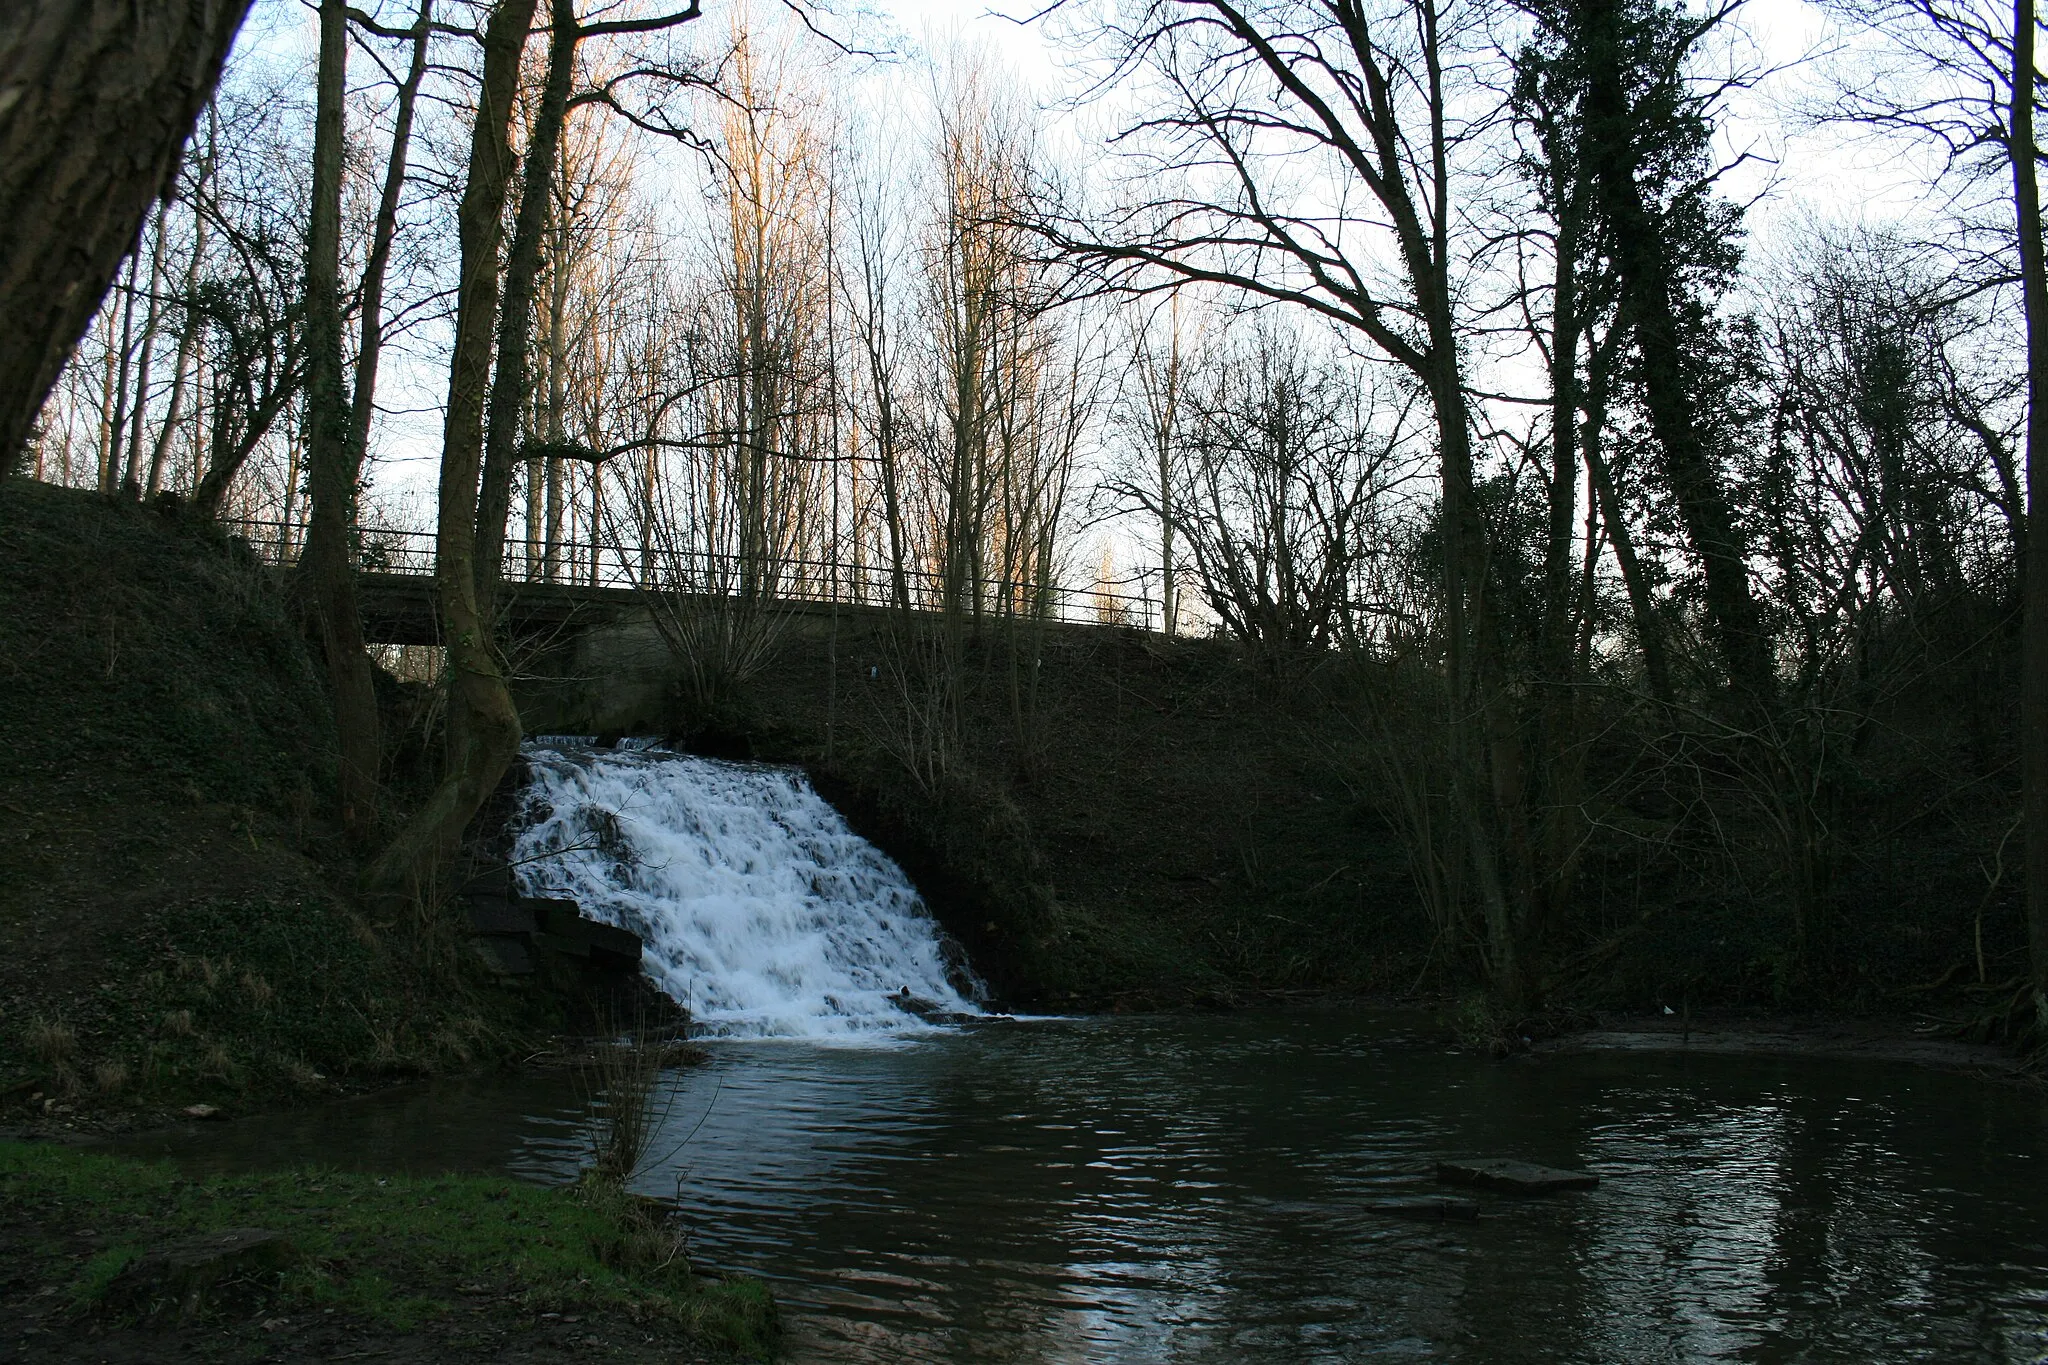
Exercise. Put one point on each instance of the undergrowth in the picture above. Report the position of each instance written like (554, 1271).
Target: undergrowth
(226, 1000)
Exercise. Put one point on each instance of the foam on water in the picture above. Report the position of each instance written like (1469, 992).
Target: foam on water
(760, 910)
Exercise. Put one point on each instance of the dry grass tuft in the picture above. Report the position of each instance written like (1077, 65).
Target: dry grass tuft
(53, 1041)
(257, 991)
(217, 1063)
(622, 1078)
(301, 1074)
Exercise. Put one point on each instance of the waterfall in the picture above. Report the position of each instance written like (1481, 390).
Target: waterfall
(760, 910)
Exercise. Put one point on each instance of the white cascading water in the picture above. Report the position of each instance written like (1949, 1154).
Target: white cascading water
(760, 910)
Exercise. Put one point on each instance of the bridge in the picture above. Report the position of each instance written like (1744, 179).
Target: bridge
(588, 583)
(585, 651)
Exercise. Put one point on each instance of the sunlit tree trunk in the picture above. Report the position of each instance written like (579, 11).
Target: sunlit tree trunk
(515, 320)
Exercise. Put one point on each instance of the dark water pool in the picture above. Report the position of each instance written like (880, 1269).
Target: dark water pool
(1184, 1190)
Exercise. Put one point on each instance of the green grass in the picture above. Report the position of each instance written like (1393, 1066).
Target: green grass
(398, 1250)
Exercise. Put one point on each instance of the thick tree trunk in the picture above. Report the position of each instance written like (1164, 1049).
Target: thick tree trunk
(326, 571)
(1488, 787)
(515, 321)
(100, 96)
(2034, 665)
(483, 725)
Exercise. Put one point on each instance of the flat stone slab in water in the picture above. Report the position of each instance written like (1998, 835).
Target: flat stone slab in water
(1516, 1177)
(1427, 1208)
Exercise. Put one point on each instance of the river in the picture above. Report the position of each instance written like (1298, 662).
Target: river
(1195, 1189)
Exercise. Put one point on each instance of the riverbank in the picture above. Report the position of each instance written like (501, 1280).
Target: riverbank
(1111, 820)
(1903, 1040)
(107, 1259)
(176, 927)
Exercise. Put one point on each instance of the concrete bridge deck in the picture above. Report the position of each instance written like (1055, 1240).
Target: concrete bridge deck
(403, 609)
(583, 645)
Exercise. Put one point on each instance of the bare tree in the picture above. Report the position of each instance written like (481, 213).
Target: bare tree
(878, 402)
(1277, 481)
(1964, 79)
(1153, 413)
(1230, 95)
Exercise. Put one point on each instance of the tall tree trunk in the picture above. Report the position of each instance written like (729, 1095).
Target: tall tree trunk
(544, 475)
(110, 474)
(339, 426)
(188, 335)
(327, 574)
(1649, 630)
(294, 463)
(101, 97)
(483, 725)
(515, 321)
(181, 369)
(109, 419)
(557, 499)
(1650, 308)
(131, 478)
(2034, 665)
(382, 235)
(1486, 745)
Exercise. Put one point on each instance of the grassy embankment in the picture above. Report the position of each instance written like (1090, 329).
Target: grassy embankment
(175, 917)
(176, 928)
(415, 1265)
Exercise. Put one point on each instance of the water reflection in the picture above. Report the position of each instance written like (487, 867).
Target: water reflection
(1180, 1190)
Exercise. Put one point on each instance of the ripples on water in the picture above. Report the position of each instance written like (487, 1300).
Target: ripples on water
(1181, 1190)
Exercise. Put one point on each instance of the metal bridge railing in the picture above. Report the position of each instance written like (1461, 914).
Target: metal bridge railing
(395, 551)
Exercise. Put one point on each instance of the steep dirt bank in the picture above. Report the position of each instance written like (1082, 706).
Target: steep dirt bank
(176, 931)
(1116, 821)
(1151, 824)
(174, 927)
